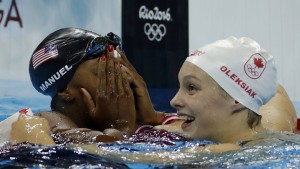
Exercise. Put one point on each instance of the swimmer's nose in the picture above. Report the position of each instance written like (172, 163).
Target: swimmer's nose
(177, 102)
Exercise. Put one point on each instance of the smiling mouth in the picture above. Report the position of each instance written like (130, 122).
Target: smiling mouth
(187, 119)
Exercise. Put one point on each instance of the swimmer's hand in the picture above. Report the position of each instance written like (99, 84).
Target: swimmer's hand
(31, 129)
(144, 108)
(114, 105)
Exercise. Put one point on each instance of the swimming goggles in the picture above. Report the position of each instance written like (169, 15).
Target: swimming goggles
(100, 44)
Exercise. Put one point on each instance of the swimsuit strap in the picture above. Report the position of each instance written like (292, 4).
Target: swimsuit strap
(168, 119)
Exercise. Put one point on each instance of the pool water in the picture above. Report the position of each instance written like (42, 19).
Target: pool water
(159, 149)
(283, 153)
(17, 95)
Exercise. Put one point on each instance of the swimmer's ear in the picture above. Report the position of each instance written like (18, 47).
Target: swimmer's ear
(238, 106)
(66, 96)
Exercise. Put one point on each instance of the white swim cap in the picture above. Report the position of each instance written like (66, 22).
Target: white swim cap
(244, 70)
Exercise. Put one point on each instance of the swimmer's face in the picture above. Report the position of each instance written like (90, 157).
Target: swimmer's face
(87, 77)
(200, 102)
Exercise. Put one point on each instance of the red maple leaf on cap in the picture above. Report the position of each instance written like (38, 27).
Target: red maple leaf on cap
(258, 62)
(24, 111)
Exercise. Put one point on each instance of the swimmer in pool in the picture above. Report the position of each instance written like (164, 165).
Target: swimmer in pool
(70, 62)
(288, 124)
(223, 86)
(275, 113)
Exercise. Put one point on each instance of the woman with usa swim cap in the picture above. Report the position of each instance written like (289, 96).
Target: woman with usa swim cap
(90, 86)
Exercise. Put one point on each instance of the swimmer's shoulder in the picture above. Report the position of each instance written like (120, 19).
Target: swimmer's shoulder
(270, 138)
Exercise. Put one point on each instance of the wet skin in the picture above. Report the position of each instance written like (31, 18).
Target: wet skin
(193, 83)
(207, 114)
(111, 102)
(104, 96)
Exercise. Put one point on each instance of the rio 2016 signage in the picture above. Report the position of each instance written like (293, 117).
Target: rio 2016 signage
(12, 15)
(155, 31)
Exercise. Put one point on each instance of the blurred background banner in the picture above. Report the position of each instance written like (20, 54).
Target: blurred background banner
(157, 35)
(156, 41)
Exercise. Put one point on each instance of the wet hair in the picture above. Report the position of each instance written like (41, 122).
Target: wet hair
(254, 119)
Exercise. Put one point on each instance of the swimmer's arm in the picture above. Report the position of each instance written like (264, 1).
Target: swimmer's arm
(214, 148)
(63, 127)
(157, 156)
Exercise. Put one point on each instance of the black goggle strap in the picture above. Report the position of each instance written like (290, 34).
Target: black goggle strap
(114, 40)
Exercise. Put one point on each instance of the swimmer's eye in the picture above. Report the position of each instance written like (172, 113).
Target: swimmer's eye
(191, 88)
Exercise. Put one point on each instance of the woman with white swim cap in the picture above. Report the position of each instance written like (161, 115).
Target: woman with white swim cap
(222, 87)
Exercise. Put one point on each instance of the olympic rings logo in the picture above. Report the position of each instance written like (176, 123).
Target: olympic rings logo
(252, 71)
(154, 31)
